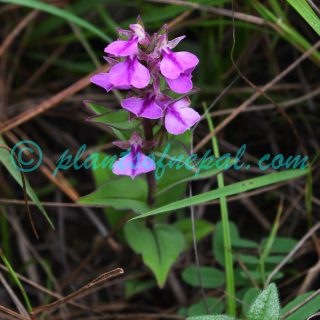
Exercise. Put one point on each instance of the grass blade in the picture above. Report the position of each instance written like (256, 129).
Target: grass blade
(304, 9)
(230, 285)
(230, 190)
(62, 13)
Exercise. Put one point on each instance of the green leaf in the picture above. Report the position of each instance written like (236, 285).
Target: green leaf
(249, 259)
(249, 298)
(101, 175)
(5, 159)
(117, 120)
(306, 310)
(215, 306)
(281, 244)
(202, 227)
(210, 277)
(236, 240)
(308, 14)
(230, 190)
(159, 247)
(96, 108)
(217, 317)
(62, 13)
(120, 193)
(266, 306)
(134, 287)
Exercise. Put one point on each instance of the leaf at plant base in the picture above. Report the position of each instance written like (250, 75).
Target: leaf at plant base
(210, 277)
(249, 297)
(215, 306)
(120, 193)
(101, 175)
(266, 306)
(5, 159)
(305, 311)
(134, 287)
(159, 247)
(117, 120)
(202, 227)
(237, 241)
(95, 107)
(208, 317)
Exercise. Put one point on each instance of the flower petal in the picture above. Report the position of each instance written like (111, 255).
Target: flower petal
(144, 165)
(139, 75)
(182, 84)
(175, 63)
(186, 59)
(143, 107)
(179, 117)
(123, 48)
(133, 164)
(119, 74)
(102, 80)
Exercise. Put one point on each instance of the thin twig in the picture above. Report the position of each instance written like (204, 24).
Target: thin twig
(15, 32)
(220, 11)
(49, 103)
(81, 292)
(292, 252)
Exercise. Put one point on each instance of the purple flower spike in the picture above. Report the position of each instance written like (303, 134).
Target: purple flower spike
(123, 48)
(146, 107)
(179, 117)
(175, 63)
(129, 72)
(135, 162)
(147, 66)
(183, 83)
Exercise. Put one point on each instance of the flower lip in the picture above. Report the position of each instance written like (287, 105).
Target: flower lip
(175, 63)
(183, 83)
(129, 73)
(179, 117)
(145, 107)
(135, 162)
(123, 48)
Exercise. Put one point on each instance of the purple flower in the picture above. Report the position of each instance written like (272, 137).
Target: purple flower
(102, 80)
(123, 48)
(129, 73)
(183, 83)
(174, 64)
(146, 107)
(140, 33)
(135, 162)
(179, 117)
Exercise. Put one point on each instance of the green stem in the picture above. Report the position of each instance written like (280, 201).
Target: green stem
(230, 285)
(148, 132)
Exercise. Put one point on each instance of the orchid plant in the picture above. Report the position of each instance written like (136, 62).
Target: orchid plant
(150, 71)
